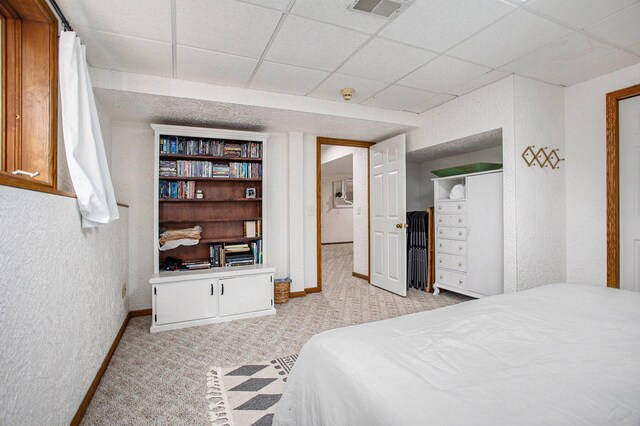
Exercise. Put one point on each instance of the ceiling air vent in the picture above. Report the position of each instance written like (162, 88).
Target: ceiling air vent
(384, 8)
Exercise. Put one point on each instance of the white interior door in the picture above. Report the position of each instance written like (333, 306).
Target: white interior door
(630, 194)
(388, 215)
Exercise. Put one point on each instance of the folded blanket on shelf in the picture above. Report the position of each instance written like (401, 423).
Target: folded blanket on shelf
(191, 235)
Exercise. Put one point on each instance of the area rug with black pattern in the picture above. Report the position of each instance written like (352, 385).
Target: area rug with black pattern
(247, 395)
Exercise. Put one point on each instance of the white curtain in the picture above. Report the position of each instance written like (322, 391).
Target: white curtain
(84, 146)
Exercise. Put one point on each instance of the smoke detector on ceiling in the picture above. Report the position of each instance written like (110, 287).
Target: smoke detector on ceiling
(384, 8)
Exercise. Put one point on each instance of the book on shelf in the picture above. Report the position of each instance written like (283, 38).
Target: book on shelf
(181, 189)
(195, 168)
(235, 254)
(252, 228)
(213, 147)
(196, 264)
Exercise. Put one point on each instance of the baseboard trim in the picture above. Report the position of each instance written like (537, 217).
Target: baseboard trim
(339, 242)
(140, 313)
(295, 294)
(361, 276)
(103, 367)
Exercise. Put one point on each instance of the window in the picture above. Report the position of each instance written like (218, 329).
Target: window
(29, 94)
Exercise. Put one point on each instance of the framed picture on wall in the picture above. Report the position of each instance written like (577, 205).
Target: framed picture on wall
(343, 194)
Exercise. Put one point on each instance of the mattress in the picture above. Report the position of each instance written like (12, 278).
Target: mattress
(560, 354)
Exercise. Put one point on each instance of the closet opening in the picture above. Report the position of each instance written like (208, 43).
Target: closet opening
(454, 191)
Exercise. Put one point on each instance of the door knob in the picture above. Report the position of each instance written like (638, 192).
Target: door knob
(401, 225)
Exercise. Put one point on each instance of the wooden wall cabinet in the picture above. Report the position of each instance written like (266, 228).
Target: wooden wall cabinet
(196, 297)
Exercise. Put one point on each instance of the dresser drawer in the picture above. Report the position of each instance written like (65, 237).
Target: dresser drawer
(452, 220)
(451, 233)
(451, 247)
(450, 278)
(449, 261)
(451, 207)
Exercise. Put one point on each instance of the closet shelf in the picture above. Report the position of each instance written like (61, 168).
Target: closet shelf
(210, 179)
(196, 221)
(229, 240)
(207, 200)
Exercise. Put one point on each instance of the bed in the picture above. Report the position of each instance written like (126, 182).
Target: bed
(559, 354)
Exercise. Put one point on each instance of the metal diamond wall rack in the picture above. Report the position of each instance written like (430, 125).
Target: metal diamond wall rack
(542, 157)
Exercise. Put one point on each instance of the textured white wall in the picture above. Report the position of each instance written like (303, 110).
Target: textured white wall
(61, 304)
(585, 167)
(420, 190)
(132, 158)
(337, 224)
(310, 224)
(296, 211)
(488, 108)
(540, 193)
(361, 211)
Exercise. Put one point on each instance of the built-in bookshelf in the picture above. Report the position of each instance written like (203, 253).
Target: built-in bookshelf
(212, 179)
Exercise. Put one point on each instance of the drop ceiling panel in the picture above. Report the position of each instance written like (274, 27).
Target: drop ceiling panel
(623, 28)
(313, 44)
(570, 60)
(440, 24)
(442, 74)
(430, 103)
(398, 97)
(286, 78)
(225, 26)
(579, 13)
(385, 60)
(337, 12)
(130, 54)
(212, 67)
(515, 35)
(330, 89)
(123, 17)
(274, 4)
(478, 82)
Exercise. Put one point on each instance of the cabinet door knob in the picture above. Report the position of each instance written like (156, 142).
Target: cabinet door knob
(459, 247)
(459, 206)
(459, 263)
(460, 233)
(212, 289)
(459, 220)
(459, 281)
(222, 289)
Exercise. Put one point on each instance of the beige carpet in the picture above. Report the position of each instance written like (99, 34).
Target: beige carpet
(159, 378)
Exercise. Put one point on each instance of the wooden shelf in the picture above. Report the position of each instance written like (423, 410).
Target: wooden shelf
(229, 240)
(211, 179)
(210, 220)
(207, 200)
(209, 158)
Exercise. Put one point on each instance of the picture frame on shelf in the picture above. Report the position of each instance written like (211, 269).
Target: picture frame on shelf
(251, 193)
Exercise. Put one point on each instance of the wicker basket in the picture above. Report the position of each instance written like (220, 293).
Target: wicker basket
(281, 291)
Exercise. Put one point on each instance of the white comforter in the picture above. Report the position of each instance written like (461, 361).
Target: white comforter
(554, 355)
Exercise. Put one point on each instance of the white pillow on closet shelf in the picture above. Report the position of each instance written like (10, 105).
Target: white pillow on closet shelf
(457, 192)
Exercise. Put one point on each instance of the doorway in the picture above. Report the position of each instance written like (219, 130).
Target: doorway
(623, 243)
(342, 195)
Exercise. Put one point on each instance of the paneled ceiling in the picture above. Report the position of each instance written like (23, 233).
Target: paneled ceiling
(431, 53)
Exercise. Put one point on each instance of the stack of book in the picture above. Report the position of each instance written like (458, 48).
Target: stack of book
(245, 170)
(196, 264)
(252, 150)
(232, 150)
(238, 255)
(182, 189)
(220, 170)
(252, 228)
(167, 168)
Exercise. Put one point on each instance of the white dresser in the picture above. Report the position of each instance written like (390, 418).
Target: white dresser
(188, 298)
(469, 235)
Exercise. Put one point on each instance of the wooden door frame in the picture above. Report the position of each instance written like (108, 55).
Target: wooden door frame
(613, 181)
(337, 142)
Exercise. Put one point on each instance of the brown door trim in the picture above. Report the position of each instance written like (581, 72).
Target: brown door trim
(613, 189)
(339, 142)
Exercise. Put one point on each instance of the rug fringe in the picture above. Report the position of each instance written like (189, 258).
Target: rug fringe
(219, 408)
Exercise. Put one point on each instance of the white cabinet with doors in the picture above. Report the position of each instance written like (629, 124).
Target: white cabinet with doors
(469, 235)
(185, 299)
